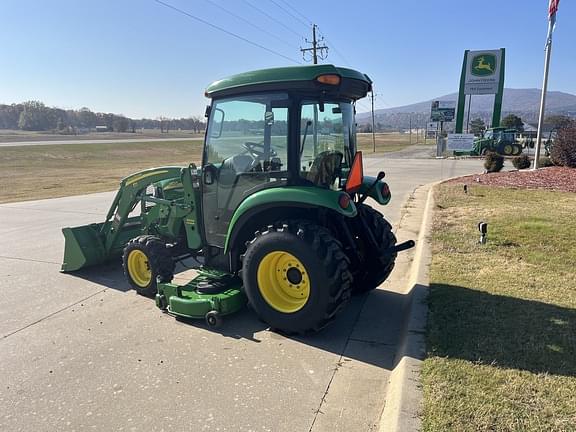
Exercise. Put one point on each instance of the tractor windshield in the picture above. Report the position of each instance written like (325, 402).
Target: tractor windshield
(249, 133)
(327, 141)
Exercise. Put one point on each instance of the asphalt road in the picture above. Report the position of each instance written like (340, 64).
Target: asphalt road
(94, 141)
(83, 352)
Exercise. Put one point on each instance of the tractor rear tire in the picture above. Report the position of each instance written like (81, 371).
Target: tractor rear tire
(506, 149)
(377, 265)
(296, 276)
(146, 258)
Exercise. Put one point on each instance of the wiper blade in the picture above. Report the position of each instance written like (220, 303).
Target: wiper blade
(308, 124)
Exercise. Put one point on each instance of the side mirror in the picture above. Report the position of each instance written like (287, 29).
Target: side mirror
(216, 123)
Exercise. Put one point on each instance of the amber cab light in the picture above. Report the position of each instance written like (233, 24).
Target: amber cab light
(329, 79)
(354, 180)
(344, 200)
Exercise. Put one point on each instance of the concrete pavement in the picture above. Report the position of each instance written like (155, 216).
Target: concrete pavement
(83, 352)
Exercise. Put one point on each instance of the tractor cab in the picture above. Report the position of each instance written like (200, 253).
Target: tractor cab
(276, 128)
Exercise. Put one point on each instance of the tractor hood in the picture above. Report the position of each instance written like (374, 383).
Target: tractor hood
(351, 84)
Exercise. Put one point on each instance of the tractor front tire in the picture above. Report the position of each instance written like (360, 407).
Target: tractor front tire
(376, 265)
(296, 276)
(146, 258)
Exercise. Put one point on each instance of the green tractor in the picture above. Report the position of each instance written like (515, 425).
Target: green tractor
(275, 216)
(500, 140)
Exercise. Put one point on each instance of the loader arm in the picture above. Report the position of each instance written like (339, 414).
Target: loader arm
(127, 198)
(95, 243)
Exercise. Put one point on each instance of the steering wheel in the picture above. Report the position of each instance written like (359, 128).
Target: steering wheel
(255, 149)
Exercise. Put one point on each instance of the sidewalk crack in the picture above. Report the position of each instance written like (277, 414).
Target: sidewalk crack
(4, 337)
(339, 363)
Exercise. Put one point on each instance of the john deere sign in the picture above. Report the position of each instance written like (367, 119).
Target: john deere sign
(483, 65)
(482, 73)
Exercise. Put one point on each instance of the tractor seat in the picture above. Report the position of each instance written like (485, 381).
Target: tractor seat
(241, 163)
(326, 168)
(233, 166)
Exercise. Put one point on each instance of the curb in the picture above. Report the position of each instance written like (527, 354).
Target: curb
(402, 407)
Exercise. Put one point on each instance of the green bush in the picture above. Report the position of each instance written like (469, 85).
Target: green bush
(493, 162)
(521, 162)
(544, 162)
(564, 148)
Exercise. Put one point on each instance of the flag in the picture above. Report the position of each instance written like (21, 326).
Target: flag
(552, 9)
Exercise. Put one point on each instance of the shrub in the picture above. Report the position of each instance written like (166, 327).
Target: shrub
(564, 148)
(544, 162)
(521, 162)
(493, 162)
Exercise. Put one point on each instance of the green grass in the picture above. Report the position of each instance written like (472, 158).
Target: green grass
(48, 171)
(502, 325)
(385, 142)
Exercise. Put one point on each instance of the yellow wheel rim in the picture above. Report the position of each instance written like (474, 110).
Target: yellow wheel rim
(283, 282)
(508, 149)
(139, 269)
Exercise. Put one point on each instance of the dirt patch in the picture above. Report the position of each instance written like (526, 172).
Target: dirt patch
(553, 178)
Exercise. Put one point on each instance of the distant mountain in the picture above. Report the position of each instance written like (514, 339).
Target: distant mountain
(525, 102)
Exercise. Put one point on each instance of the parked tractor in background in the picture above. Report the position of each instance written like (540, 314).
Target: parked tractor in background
(500, 140)
(275, 215)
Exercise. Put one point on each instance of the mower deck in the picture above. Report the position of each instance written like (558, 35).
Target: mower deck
(210, 295)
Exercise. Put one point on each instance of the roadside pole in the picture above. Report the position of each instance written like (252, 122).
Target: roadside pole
(468, 119)
(373, 133)
(552, 9)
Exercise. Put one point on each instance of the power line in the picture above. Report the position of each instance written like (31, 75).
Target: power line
(309, 23)
(225, 31)
(250, 23)
(290, 13)
(272, 18)
(335, 49)
(363, 105)
(379, 95)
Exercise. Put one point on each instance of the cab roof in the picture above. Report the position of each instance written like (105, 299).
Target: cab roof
(353, 84)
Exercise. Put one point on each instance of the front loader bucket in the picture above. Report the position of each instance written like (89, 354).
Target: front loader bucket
(83, 247)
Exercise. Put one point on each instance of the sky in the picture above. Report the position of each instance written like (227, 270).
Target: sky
(142, 59)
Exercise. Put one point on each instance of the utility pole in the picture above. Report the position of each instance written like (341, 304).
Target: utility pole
(410, 128)
(318, 51)
(373, 133)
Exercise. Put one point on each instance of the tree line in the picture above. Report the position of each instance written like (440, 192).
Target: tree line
(35, 116)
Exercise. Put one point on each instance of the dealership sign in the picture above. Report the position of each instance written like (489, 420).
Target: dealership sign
(442, 111)
(482, 72)
(460, 142)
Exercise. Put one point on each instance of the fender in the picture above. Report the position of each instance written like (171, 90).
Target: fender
(292, 196)
(376, 192)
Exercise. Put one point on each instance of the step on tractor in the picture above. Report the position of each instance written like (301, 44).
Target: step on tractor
(500, 140)
(275, 216)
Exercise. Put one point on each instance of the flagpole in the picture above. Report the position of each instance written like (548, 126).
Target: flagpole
(543, 96)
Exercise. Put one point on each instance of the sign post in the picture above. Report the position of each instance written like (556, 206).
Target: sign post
(440, 112)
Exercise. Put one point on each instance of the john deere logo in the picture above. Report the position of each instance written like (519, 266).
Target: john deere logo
(483, 65)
